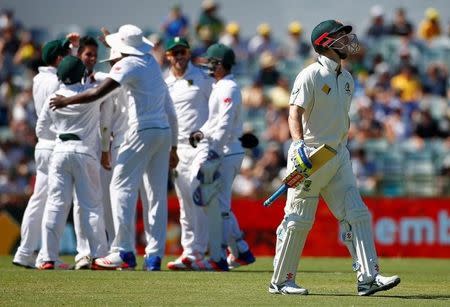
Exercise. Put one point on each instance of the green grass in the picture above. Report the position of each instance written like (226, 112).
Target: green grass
(425, 282)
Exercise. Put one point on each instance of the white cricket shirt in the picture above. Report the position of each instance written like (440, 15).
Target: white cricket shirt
(146, 90)
(80, 119)
(45, 83)
(190, 96)
(325, 95)
(224, 124)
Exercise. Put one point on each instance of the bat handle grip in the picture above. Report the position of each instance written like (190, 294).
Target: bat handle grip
(283, 188)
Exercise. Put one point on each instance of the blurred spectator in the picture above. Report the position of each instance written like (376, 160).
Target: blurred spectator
(176, 23)
(268, 74)
(231, 38)
(401, 26)
(430, 27)
(394, 127)
(246, 184)
(269, 166)
(262, 41)
(377, 28)
(407, 85)
(435, 80)
(295, 46)
(425, 126)
(209, 19)
(366, 172)
(206, 39)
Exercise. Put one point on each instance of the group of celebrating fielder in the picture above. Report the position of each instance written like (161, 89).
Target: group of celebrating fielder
(138, 126)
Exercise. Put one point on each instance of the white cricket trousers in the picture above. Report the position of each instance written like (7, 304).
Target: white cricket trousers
(73, 170)
(193, 220)
(143, 159)
(32, 217)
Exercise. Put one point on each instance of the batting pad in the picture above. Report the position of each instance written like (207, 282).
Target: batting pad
(364, 245)
(288, 257)
(215, 227)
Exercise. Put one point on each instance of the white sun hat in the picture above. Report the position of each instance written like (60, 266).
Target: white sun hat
(113, 55)
(129, 40)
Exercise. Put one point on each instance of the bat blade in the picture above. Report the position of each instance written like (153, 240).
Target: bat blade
(319, 158)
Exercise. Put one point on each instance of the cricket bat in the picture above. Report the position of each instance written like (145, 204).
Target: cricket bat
(319, 158)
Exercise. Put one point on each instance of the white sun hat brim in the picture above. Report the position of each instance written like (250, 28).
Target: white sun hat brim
(116, 42)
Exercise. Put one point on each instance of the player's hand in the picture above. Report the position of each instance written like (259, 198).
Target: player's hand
(58, 102)
(102, 39)
(173, 158)
(195, 137)
(105, 160)
(249, 140)
(299, 155)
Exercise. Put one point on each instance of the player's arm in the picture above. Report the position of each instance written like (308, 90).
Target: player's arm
(172, 116)
(295, 122)
(90, 95)
(44, 120)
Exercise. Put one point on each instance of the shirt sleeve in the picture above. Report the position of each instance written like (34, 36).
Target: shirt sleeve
(44, 119)
(303, 90)
(228, 100)
(121, 72)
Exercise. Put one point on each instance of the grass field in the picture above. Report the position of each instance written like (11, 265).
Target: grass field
(425, 282)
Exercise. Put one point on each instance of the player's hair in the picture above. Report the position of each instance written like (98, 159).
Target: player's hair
(86, 41)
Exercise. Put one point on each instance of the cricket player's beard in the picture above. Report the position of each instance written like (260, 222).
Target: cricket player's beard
(181, 66)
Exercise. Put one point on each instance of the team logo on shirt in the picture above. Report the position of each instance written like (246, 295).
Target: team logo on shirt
(190, 82)
(295, 92)
(227, 100)
(117, 68)
(347, 88)
(326, 89)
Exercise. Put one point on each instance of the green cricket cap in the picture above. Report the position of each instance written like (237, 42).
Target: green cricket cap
(177, 41)
(53, 49)
(222, 53)
(70, 70)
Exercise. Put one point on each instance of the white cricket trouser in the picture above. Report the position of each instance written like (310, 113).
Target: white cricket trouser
(143, 159)
(32, 217)
(193, 220)
(105, 177)
(71, 170)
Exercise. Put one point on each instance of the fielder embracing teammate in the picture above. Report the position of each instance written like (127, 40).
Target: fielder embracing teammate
(318, 114)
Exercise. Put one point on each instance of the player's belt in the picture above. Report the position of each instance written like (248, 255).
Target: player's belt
(69, 137)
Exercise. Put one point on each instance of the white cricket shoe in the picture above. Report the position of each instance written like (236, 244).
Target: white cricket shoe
(84, 263)
(25, 261)
(289, 287)
(380, 283)
(116, 261)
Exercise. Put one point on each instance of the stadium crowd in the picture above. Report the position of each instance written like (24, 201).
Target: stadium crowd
(400, 116)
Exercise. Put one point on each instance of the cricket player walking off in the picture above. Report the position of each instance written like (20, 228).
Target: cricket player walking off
(74, 167)
(221, 134)
(318, 114)
(45, 83)
(145, 153)
(189, 88)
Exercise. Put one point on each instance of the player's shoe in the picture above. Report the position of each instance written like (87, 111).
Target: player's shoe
(54, 265)
(287, 288)
(152, 263)
(380, 283)
(116, 261)
(244, 258)
(28, 262)
(83, 263)
(207, 265)
(177, 265)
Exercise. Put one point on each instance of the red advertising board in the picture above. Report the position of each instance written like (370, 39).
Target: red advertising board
(403, 227)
